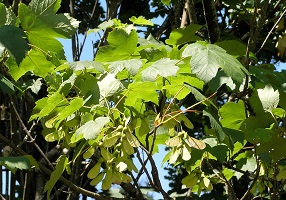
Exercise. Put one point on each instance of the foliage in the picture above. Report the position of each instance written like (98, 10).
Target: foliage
(217, 107)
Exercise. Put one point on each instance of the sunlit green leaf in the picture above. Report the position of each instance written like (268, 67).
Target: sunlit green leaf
(86, 65)
(132, 66)
(135, 92)
(121, 46)
(231, 119)
(206, 59)
(141, 21)
(35, 62)
(109, 85)
(190, 181)
(269, 98)
(91, 129)
(73, 106)
(164, 67)
(184, 35)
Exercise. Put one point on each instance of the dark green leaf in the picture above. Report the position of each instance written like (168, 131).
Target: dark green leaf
(12, 38)
(216, 126)
(60, 168)
(6, 85)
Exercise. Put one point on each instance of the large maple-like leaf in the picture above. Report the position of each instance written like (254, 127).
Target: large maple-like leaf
(206, 59)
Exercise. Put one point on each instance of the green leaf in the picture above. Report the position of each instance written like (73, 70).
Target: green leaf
(94, 171)
(216, 126)
(60, 168)
(132, 140)
(164, 67)
(105, 154)
(109, 86)
(232, 115)
(88, 88)
(6, 85)
(42, 24)
(233, 47)
(44, 7)
(14, 163)
(132, 66)
(184, 35)
(141, 21)
(268, 97)
(177, 85)
(87, 66)
(207, 58)
(88, 153)
(121, 46)
(7, 16)
(166, 2)
(97, 179)
(219, 80)
(73, 106)
(127, 147)
(110, 140)
(153, 53)
(190, 181)
(260, 135)
(35, 62)
(45, 12)
(12, 38)
(106, 183)
(91, 129)
(135, 92)
(49, 105)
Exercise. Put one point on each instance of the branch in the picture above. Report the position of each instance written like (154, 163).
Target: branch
(155, 175)
(189, 14)
(44, 169)
(211, 20)
(143, 168)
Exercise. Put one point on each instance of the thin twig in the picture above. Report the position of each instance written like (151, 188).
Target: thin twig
(85, 34)
(30, 136)
(143, 168)
(270, 32)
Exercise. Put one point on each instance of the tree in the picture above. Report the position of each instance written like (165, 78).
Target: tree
(203, 83)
